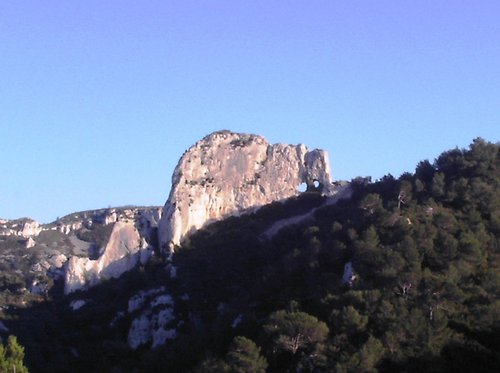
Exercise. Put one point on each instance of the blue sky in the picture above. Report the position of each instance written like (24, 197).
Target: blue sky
(99, 99)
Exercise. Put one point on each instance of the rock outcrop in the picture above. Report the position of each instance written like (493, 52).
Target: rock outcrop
(122, 252)
(229, 173)
(21, 227)
(145, 218)
(30, 242)
(155, 321)
(42, 251)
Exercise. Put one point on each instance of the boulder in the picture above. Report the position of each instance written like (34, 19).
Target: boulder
(29, 243)
(30, 228)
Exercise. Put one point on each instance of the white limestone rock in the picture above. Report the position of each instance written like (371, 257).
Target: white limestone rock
(154, 321)
(3, 327)
(31, 228)
(171, 270)
(111, 218)
(24, 227)
(30, 242)
(73, 226)
(163, 317)
(39, 287)
(138, 301)
(57, 260)
(140, 331)
(152, 327)
(77, 304)
(146, 254)
(348, 277)
(121, 254)
(161, 335)
(164, 299)
(237, 321)
(228, 174)
(144, 217)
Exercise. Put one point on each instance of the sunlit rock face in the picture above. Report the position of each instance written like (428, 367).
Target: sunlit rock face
(230, 173)
(24, 227)
(121, 254)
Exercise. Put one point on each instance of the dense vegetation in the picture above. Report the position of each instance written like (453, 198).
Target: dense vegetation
(426, 282)
(423, 294)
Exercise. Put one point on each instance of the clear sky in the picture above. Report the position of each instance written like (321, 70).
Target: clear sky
(99, 99)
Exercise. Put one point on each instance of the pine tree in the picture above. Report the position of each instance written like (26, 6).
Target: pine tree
(293, 331)
(12, 356)
(244, 357)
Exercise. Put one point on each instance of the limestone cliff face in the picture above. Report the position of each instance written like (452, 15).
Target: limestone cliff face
(229, 173)
(122, 253)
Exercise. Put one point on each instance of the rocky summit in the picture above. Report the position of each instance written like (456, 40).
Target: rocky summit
(229, 173)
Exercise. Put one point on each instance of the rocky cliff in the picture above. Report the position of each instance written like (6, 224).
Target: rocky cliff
(230, 173)
(130, 242)
(81, 248)
(122, 252)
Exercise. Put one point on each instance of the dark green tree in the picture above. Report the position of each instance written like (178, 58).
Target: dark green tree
(212, 365)
(12, 357)
(295, 331)
(351, 321)
(369, 355)
(244, 357)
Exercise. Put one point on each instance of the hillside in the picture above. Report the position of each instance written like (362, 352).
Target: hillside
(403, 276)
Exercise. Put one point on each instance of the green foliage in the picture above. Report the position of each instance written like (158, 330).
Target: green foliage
(97, 234)
(12, 357)
(368, 356)
(294, 331)
(351, 321)
(212, 365)
(244, 357)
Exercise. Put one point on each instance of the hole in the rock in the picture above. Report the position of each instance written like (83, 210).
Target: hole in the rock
(316, 184)
(302, 188)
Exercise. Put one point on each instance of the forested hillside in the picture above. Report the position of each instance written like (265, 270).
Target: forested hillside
(402, 277)
(423, 294)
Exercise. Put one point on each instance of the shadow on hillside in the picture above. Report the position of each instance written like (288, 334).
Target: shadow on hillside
(59, 339)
